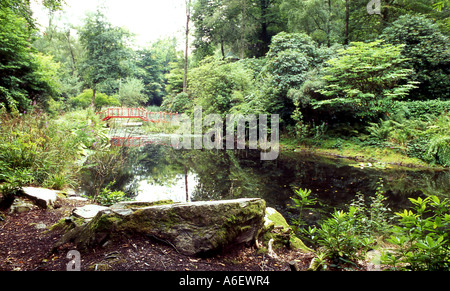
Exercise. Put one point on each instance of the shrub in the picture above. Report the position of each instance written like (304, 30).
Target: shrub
(84, 100)
(427, 52)
(217, 86)
(427, 138)
(291, 57)
(179, 103)
(302, 201)
(421, 239)
(347, 235)
(107, 197)
(339, 236)
(420, 109)
(47, 149)
(364, 79)
(131, 93)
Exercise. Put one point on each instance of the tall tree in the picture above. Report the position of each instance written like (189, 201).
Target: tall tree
(322, 20)
(106, 51)
(347, 22)
(242, 28)
(25, 76)
(186, 52)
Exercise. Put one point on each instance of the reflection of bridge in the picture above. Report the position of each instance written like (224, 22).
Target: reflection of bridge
(139, 141)
(141, 113)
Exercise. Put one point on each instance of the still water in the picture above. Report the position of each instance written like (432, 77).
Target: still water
(156, 171)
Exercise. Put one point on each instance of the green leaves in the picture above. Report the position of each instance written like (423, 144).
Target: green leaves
(84, 100)
(218, 86)
(422, 236)
(106, 50)
(429, 244)
(365, 78)
(24, 75)
(426, 50)
(302, 201)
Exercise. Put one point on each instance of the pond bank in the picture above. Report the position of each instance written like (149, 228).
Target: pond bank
(358, 153)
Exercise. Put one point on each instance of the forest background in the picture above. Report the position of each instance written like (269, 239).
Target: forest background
(339, 77)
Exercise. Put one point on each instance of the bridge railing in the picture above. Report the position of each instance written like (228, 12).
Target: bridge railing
(142, 113)
(126, 141)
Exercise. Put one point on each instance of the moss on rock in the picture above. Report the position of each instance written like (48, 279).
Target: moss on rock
(277, 228)
(192, 228)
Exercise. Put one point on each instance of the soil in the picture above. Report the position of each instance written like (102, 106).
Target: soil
(26, 245)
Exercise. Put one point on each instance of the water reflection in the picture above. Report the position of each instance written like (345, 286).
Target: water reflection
(176, 190)
(156, 172)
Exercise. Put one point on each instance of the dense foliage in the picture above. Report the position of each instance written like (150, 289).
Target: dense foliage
(417, 239)
(39, 150)
(336, 75)
(25, 75)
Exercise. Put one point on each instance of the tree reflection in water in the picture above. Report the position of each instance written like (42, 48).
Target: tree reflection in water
(156, 172)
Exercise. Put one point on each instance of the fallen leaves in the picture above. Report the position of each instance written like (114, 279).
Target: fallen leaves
(25, 247)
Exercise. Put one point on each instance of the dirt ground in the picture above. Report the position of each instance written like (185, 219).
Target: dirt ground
(26, 245)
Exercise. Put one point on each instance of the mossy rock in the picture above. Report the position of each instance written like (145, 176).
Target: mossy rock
(192, 228)
(134, 205)
(277, 228)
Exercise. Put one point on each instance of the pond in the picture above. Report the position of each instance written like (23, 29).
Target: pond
(156, 171)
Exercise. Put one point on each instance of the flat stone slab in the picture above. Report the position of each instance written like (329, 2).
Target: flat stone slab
(88, 212)
(135, 205)
(43, 198)
(191, 228)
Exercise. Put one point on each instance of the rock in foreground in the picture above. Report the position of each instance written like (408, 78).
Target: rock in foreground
(192, 228)
(43, 198)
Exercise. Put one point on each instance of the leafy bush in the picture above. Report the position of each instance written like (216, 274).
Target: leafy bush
(131, 93)
(426, 51)
(347, 235)
(365, 78)
(14, 181)
(420, 109)
(107, 197)
(179, 103)
(288, 63)
(339, 236)
(84, 100)
(421, 240)
(427, 138)
(217, 86)
(26, 76)
(302, 201)
(47, 149)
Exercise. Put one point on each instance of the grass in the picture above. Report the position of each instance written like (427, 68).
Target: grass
(47, 149)
(352, 149)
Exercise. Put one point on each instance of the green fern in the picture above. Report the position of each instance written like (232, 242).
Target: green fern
(439, 149)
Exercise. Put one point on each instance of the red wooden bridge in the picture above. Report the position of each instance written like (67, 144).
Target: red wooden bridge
(141, 113)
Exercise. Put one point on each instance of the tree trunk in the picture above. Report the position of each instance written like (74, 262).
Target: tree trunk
(186, 183)
(264, 28)
(329, 24)
(222, 49)
(347, 20)
(244, 12)
(74, 67)
(188, 17)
